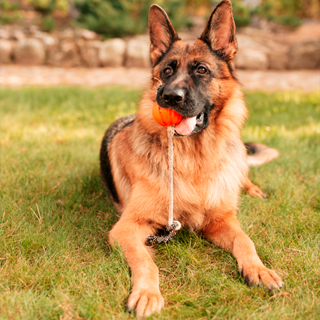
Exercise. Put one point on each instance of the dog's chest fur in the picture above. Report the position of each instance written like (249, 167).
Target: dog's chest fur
(209, 167)
(206, 176)
(206, 179)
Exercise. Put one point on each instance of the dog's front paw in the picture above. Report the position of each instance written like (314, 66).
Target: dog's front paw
(255, 192)
(253, 275)
(145, 302)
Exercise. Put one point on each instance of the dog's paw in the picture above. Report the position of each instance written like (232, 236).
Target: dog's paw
(255, 192)
(254, 275)
(145, 302)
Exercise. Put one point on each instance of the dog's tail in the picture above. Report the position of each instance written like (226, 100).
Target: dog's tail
(259, 154)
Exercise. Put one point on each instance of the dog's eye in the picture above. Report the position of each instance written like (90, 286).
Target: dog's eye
(167, 71)
(202, 70)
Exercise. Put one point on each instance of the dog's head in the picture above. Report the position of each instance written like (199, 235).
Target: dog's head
(193, 78)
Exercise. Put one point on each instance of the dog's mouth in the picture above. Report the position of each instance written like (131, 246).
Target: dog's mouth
(187, 126)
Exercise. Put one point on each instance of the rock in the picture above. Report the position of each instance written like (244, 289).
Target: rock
(4, 34)
(247, 41)
(5, 51)
(247, 58)
(17, 34)
(304, 55)
(89, 52)
(67, 34)
(263, 24)
(29, 51)
(33, 30)
(86, 34)
(47, 40)
(65, 54)
(138, 54)
(278, 60)
(252, 3)
(273, 55)
(112, 53)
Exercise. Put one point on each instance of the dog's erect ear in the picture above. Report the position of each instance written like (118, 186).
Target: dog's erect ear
(219, 32)
(161, 31)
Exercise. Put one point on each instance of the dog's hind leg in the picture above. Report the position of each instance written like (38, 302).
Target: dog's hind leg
(227, 233)
(130, 234)
(258, 154)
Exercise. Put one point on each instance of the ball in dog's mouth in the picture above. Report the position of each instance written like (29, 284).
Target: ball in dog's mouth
(187, 125)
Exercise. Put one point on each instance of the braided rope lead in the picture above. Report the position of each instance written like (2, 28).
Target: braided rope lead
(173, 226)
(170, 131)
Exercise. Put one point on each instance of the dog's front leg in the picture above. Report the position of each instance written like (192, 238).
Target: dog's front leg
(226, 233)
(253, 190)
(131, 235)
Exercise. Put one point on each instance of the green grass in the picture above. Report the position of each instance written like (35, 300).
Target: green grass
(55, 261)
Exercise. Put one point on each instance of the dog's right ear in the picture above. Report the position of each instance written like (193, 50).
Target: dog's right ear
(162, 33)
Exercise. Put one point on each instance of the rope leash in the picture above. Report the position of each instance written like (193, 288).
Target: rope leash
(173, 226)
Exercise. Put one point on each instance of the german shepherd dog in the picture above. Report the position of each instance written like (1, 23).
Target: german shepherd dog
(210, 162)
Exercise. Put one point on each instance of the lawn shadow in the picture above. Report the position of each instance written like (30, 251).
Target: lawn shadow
(90, 210)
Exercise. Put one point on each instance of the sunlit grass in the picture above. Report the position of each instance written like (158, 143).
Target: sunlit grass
(55, 260)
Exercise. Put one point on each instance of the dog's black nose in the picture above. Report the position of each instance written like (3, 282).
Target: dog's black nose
(173, 96)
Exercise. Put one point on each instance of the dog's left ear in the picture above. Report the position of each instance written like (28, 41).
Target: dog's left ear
(219, 32)
(162, 33)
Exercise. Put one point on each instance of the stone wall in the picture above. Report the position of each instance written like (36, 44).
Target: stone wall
(80, 47)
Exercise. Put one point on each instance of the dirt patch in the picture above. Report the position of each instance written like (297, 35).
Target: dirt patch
(17, 76)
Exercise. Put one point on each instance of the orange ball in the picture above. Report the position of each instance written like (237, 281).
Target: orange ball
(165, 117)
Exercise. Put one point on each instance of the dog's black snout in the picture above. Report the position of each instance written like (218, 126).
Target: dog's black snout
(173, 96)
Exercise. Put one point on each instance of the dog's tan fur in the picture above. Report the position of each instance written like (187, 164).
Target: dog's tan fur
(209, 170)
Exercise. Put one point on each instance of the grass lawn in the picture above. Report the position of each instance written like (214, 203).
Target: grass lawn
(55, 261)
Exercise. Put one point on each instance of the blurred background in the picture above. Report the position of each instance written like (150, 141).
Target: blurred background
(68, 70)
(273, 35)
